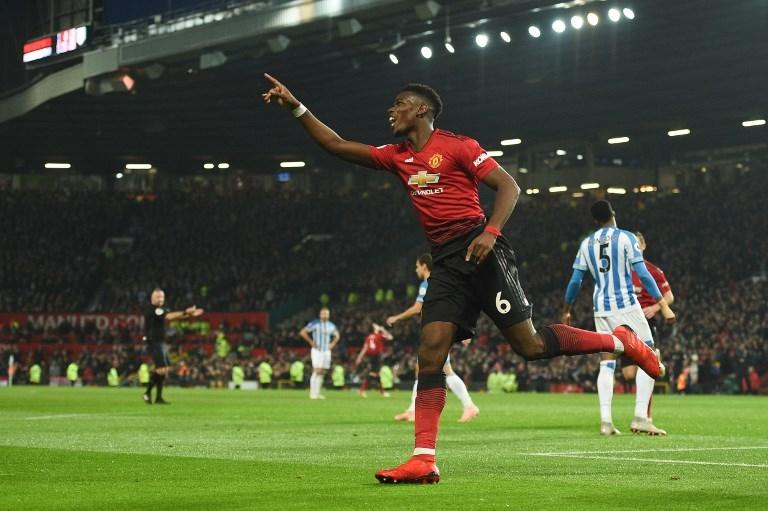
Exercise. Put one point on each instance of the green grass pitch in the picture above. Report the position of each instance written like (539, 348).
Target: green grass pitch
(104, 449)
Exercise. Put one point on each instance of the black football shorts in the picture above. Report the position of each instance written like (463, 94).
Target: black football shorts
(459, 290)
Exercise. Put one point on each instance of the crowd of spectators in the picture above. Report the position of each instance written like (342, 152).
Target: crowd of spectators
(255, 251)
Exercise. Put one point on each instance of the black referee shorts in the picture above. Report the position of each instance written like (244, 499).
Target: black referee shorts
(459, 290)
(159, 354)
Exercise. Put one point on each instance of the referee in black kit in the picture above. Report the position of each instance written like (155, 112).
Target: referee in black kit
(154, 328)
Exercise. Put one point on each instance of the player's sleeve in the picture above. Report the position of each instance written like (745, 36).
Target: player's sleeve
(632, 248)
(645, 277)
(572, 291)
(476, 160)
(334, 330)
(311, 326)
(580, 263)
(383, 156)
(422, 292)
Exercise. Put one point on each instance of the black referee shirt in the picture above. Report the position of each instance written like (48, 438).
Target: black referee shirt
(154, 324)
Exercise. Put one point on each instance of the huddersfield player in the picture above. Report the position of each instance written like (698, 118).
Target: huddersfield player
(456, 384)
(474, 266)
(325, 337)
(154, 334)
(610, 255)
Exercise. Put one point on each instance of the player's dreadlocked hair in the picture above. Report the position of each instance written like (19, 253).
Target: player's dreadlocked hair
(428, 94)
(425, 259)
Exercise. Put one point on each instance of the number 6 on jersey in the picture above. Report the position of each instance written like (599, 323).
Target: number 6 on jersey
(502, 305)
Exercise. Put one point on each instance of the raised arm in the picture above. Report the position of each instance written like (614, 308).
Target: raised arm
(325, 137)
(189, 312)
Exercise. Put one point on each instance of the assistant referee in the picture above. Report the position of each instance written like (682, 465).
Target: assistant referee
(154, 334)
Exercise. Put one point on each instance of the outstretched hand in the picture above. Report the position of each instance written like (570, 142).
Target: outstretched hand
(279, 93)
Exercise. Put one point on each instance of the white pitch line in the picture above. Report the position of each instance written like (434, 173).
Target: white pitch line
(60, 416)
(650, 460)
(630, 451)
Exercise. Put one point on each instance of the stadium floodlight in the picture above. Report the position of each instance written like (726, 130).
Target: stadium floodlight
(511, 141)
(589, 186)
(449, 45)
(648, 188)
(292, 164)
(505, 36)
(614, 15)
(617, 190)
(495, 154)
(561, 152)
(534, 31)
(579, 157)
(58, 165)
(577, 22)
(679, 133)
(577, 195)
(119, 175)
(208, 166)
(618, 140)
(393, 58)
(223, 166)
(522, 170)
(628, 13)
(426, 52)
(138, 166)
(593, 19)
(557, 189)
(753, 122)
(481, 40)
(558, 26)
(532, 191)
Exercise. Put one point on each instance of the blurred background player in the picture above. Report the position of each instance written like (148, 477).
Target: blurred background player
(650, 310)
(610, 255)
(154, 334)
(456, 384)
(373, 348)
(324, 338)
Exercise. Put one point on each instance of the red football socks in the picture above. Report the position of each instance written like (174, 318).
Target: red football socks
(430, 401)
(567, 340)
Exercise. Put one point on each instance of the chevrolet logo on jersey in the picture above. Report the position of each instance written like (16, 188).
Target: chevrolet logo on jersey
(423, 178)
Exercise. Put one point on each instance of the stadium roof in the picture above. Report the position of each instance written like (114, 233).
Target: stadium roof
(682, 64)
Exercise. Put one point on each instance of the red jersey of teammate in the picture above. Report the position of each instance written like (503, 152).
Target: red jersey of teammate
(646, 300)
(442, 180)
(374, 344)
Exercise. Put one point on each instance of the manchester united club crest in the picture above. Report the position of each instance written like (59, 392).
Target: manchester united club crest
(435, 160)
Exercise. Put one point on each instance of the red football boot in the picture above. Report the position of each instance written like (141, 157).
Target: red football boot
(420, 469)
(639, 352)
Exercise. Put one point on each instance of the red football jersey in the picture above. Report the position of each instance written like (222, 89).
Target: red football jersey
(646, 300)
(374, 344)
(442, 180)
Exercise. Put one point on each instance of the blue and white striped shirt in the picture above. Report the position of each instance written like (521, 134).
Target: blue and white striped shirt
(322, 332)
(422, 291)
(609, 254)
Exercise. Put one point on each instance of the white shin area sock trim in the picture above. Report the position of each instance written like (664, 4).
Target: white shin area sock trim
(422, 450)
(412, 407)
(644, 390)
(458, 387)
(605, 389)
